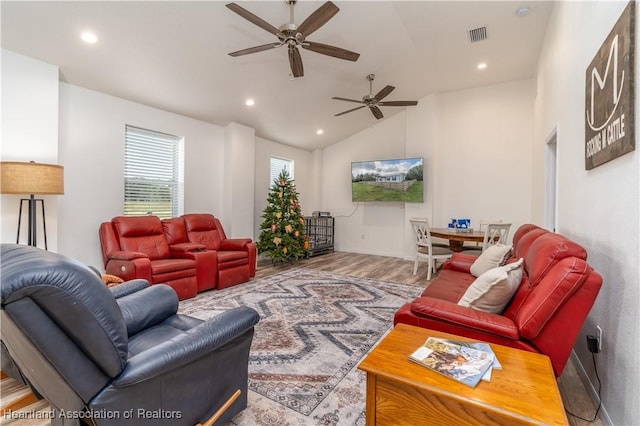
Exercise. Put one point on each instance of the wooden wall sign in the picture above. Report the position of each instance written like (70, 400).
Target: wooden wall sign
(610, 94)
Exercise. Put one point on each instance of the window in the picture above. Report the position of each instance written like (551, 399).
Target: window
(277, 164)
(152, 175)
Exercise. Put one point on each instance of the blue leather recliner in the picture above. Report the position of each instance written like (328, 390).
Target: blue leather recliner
(133, 361)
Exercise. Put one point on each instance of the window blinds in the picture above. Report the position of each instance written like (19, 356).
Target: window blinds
(151, 173)
(277, 165)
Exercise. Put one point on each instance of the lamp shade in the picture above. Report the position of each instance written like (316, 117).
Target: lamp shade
(31, 178)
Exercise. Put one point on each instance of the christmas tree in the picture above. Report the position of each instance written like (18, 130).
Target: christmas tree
(282, 236)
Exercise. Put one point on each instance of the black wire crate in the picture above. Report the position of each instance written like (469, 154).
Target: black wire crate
(320, 233)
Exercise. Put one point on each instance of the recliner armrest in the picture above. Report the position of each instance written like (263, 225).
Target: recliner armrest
(148, 307)
(187, 347)
(127, 255)
(234, 243)
(452, 313)
(186, 248)
(460, 262)
(128, 287)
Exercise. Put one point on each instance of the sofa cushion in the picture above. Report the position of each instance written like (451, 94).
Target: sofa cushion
(554, 290)
(203, 229)
(493, 256)
(491, 291)
(166, 266)
(174, 230)
(142, 234)
(522, 231)
(450, 285)
(521, 246)
(546, 251)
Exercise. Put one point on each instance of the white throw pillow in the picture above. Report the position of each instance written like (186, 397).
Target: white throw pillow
(495, 255)
(491, 291)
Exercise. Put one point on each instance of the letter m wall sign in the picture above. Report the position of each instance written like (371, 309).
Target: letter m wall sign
(610, 94)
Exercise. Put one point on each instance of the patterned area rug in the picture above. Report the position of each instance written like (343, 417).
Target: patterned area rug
(315, 327)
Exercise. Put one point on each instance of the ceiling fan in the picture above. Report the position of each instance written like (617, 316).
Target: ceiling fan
(293, 35)
(373, 102)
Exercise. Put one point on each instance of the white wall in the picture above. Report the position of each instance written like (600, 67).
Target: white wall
(484, 144)
(92, 128)
(29, 133)
(599, 208)
(239, 182)
(373, 227)
(304, 165)
(476, 146)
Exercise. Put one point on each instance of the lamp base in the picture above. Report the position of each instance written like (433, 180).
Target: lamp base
(32, 228)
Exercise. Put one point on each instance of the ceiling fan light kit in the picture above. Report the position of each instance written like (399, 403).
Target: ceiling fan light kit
(373, 102)
(294, 36)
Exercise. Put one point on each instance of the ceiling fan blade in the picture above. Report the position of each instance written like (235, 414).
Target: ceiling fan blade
(398, 103)
(255, 19)
(384, 93)
(318, 18)
(349, 110)
(376, 112)
(296, 62)
(336, 52)
(255, 49)
(348, 100)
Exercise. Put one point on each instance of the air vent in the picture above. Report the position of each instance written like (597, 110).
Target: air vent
(478, 34)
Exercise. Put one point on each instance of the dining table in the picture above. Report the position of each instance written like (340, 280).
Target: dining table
(457, 237)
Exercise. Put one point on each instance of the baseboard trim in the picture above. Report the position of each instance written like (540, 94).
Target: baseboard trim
(593, 392)
(373, 253)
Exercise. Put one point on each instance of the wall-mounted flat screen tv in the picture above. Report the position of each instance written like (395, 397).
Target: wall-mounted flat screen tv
(399, 180)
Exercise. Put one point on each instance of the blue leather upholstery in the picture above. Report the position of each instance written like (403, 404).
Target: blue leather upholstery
(133, 358)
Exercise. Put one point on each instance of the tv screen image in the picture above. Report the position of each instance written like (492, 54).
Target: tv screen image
(398, 180)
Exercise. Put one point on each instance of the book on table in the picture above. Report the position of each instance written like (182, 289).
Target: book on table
(461, 361)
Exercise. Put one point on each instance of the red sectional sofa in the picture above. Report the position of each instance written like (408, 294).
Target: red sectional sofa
(190, 253)
(545, 315)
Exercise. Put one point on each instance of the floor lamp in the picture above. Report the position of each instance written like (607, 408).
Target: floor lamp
(33, 179)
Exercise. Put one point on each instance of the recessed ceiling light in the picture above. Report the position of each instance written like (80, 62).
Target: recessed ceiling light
(89, 37)
(319, 132)
(523, 11)
(482, 65)
(249, 102)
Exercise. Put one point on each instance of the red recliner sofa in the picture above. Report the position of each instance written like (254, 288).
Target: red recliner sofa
(235, 258)
(546, 313)
(191, 253)
(136, 247)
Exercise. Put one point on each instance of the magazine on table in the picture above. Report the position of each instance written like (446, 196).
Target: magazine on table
(463, 363)
(482, 346)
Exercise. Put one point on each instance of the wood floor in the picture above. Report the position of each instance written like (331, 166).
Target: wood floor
(574, 394)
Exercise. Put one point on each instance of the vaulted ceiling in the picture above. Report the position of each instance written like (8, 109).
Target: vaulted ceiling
(174, 56)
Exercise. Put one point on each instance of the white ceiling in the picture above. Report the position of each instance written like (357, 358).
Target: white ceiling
(174, 56)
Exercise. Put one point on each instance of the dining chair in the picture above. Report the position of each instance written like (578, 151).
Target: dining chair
(425, 250)
(495, 233)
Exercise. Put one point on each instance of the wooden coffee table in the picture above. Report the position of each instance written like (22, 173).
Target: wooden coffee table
(400, 392)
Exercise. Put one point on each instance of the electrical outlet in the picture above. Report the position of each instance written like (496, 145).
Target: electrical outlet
(599, 336)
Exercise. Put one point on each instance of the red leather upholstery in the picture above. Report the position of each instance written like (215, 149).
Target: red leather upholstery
(135, 247)
(190, 253)
(175, 233)
(236, 257)
(545, 315)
